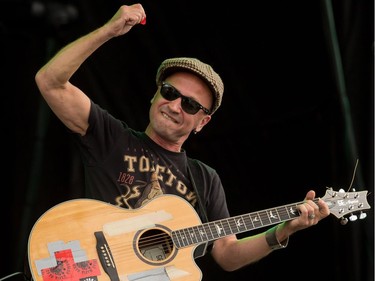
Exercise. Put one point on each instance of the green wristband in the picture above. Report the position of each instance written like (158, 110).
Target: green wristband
(272, 239)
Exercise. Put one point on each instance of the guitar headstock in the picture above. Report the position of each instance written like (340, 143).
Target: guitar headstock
(342, 203)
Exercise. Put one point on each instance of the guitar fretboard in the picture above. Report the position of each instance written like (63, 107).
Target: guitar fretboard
(217, 229)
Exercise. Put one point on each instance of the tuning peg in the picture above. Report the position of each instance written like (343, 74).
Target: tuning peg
(353, 217)
(344, 221)
(362, 215)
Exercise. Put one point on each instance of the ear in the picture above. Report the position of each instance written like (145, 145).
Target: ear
(202, 123)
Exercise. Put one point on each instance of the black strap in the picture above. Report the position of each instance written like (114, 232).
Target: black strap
(195, 173)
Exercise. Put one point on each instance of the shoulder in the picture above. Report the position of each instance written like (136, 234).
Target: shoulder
(197, 164)
(100, 118)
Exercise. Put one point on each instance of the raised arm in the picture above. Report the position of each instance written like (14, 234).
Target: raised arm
(67, 101)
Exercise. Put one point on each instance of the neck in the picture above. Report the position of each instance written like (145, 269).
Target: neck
(165, 142)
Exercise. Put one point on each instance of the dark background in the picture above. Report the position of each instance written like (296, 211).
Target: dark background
(297, 114)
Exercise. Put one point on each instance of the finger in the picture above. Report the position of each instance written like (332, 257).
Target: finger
(323, 208)
(307, 209)
(302, 208)
(310, 195)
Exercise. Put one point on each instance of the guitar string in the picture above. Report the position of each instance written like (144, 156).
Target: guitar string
(193, 235)
(121, 250)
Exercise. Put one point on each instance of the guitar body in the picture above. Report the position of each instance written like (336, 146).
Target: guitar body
(86, 239)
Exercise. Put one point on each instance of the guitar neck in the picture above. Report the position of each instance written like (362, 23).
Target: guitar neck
(214, 230)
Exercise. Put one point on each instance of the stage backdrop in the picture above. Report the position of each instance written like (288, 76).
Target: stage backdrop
(297, 114)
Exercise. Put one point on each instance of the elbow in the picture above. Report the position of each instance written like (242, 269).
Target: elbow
(227, 260)
(228, 269)
(228, 266)
(233, 264)
(45, 83)
(40, 79)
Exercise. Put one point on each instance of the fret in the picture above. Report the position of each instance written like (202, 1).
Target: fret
(284, 214)
(188, 240)
(202, 233)
(278, 211)
(192, 236)
(214, 230)
(292, 211)
(226, 226)
(248, 221)
(183, 240)
(208, 231)
(178, 238)
(218, 229)
(232, 225)
(197, 235)
(256, 220)
(273, 216)
(240, 223)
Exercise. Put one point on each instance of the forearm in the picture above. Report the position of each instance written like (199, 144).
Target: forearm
(232, 254)
(58, 71)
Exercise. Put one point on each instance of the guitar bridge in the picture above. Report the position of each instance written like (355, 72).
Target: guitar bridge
(105, 256)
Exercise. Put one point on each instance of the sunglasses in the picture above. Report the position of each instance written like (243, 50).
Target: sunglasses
(188, 105)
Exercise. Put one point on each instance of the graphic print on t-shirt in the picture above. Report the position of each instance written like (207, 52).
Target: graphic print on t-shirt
(152, 190)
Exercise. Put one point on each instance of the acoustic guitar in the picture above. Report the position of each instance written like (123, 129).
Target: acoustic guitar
(89, 240)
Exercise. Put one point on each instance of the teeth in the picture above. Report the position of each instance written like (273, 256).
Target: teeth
(166, 116)
(169, 118)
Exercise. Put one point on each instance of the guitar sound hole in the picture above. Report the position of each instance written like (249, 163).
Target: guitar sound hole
(155, 245)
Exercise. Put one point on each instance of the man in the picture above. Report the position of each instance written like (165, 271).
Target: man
(129, 168)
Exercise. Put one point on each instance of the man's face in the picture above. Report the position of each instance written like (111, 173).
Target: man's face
(168, 119)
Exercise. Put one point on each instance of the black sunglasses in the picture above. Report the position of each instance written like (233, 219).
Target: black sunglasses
(189, 105)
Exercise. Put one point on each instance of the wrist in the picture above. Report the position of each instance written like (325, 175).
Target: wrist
(272, 240)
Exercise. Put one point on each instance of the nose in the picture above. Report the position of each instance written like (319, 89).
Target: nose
(175, 105)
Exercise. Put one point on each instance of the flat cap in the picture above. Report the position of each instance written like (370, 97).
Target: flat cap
(197, 67)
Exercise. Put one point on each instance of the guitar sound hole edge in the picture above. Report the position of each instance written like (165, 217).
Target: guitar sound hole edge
(154, 246)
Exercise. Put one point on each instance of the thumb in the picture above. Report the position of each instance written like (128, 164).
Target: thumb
(310, 195)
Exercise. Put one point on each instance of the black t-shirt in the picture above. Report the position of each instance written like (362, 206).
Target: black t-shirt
(126, 168)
